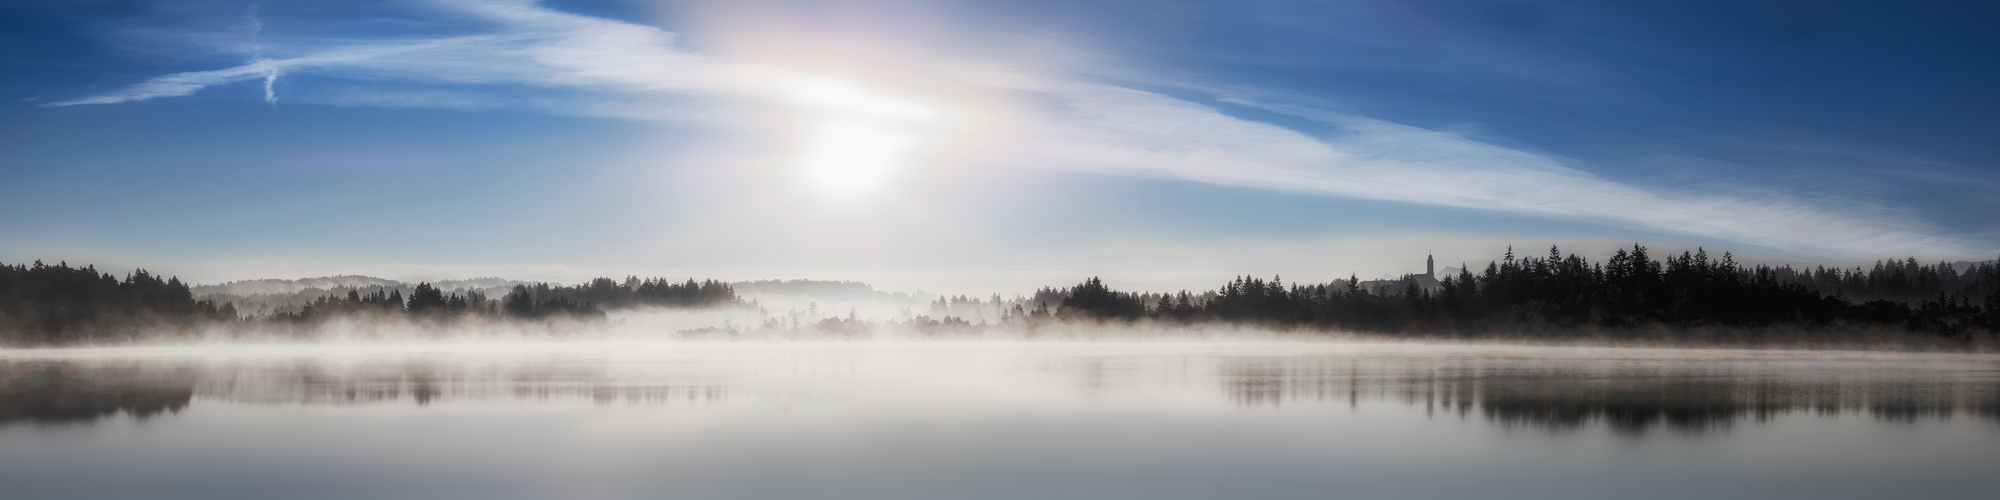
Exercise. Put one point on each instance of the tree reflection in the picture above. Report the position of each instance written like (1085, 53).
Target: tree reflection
(1628, 401)
(53, 392)
(1627, 397)
(425, 382)
(61, 392)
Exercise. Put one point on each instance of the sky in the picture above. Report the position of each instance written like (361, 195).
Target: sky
(980, 147)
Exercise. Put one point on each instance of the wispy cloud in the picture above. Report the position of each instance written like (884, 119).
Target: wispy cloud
(270, 82)
(1115, 129)
(1050, 119)
(256, 26)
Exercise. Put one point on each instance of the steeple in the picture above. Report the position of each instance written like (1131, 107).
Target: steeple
(1430, 266)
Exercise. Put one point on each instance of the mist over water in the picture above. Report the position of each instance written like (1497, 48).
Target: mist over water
(967, 250)
(992, 419)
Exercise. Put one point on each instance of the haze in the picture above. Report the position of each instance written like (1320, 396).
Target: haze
(970, 147)
(1088, 249)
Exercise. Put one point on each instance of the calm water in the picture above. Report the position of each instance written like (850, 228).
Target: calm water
(993, 420)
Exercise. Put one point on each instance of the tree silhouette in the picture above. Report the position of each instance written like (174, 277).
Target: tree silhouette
(1567, 294)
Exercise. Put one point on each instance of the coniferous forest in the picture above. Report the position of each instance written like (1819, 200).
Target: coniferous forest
(1563, 295)
(1633, 294)
(42, 304)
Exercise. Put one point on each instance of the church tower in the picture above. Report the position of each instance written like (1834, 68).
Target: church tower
(1430, 266)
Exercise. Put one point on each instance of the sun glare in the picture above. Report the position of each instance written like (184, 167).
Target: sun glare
(842, 97)
(858, 138)
(849, 157)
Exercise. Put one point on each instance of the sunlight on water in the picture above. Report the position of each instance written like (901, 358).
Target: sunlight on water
(993, 420)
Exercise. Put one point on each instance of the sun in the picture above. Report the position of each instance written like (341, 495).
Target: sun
(849, 157)
(857, 139)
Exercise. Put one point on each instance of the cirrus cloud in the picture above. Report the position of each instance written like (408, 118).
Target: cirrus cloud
(1041, 118)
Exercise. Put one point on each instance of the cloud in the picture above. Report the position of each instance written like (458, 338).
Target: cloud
(359, 60)
(1121, 130)
(256, 26)
(270, 82)
(174, 85)
(1041, 119)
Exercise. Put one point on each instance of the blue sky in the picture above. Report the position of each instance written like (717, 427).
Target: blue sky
(987, 146)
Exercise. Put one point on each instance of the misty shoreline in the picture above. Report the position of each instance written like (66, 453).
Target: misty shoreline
(1083, 335)
(1631, 299)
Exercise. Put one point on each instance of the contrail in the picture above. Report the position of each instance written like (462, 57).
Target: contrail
(270, 80)
(257, 57)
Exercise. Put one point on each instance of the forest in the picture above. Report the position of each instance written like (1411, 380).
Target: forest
(1565, 295)
(42, 304)
(1630, 295)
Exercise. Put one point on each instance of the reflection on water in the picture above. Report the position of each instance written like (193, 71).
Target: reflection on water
(58, 392)
(1683, 397)
(1628, 397)
(425, 381)
(993, 420)
(63, 392)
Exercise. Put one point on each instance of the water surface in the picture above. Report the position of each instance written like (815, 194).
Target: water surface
(993, 420)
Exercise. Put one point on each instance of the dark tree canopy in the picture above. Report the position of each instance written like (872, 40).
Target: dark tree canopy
(1092, 299)
(1568, 293)
(1556, 295)
(59, 303)
(43, 304)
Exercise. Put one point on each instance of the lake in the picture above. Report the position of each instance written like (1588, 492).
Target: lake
(993, 419)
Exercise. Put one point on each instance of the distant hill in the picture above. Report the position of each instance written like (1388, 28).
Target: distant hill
(281, 295)
(286, 287)
(827, 289)
(287, 295)
(814, 299)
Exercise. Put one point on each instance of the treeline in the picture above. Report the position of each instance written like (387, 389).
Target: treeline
(1568, 294)
(1902, 281)
(42, 304)
(636, 292)
(1553, 296)
(537, 301)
